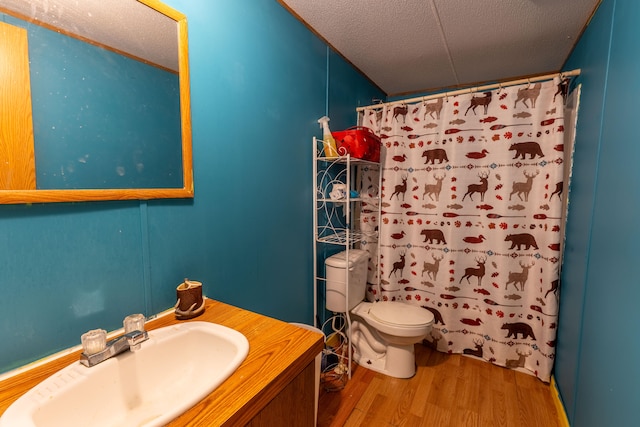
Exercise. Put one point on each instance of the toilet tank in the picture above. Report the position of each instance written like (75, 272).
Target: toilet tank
(336, 266)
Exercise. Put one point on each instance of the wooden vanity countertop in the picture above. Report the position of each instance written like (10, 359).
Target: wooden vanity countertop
(278, 352)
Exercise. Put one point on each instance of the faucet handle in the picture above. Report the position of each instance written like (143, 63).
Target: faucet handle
(133, 322)
(94, 341)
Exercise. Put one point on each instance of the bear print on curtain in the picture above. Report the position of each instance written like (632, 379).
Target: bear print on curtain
(472, 206)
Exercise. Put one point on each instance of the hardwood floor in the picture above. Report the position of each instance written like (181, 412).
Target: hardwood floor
(447, 391)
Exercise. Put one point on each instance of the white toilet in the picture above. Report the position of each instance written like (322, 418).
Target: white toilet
(383, 333)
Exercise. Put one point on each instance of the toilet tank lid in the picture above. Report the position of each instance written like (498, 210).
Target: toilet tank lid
(339, 260)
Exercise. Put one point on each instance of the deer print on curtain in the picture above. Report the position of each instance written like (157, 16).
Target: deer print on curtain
(471, 219)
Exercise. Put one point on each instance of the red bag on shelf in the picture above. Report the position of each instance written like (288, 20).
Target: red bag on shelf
(359, 142)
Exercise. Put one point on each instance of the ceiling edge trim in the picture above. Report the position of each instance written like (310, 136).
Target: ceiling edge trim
(584, 28)
(325, 41)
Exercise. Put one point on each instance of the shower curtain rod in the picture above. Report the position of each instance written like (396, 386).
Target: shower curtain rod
(572, 73)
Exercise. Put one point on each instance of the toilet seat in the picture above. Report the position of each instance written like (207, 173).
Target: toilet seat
(384, 334)
(400, 315)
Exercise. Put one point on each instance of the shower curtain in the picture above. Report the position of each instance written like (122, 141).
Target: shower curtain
(471, 227)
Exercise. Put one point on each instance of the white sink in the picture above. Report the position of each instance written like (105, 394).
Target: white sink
(171, 372)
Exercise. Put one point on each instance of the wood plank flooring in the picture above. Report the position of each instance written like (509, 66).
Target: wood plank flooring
(447, 391)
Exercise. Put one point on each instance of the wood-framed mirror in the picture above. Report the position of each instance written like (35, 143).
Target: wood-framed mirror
(94, 101)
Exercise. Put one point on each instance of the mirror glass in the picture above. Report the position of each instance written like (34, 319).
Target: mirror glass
(108, 85)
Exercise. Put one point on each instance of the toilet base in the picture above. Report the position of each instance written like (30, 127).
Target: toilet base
(398, 361)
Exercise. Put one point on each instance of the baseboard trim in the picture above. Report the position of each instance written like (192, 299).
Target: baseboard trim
(563, 420)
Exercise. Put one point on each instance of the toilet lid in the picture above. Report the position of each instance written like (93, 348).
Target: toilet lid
(396, 313)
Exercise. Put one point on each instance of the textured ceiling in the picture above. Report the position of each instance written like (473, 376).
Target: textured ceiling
(410, 46)
(126, 25)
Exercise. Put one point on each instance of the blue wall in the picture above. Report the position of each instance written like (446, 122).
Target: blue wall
(597, 367)
(259, 82)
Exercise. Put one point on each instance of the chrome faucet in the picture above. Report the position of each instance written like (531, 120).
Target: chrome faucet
(130, 341)
(97, 350)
